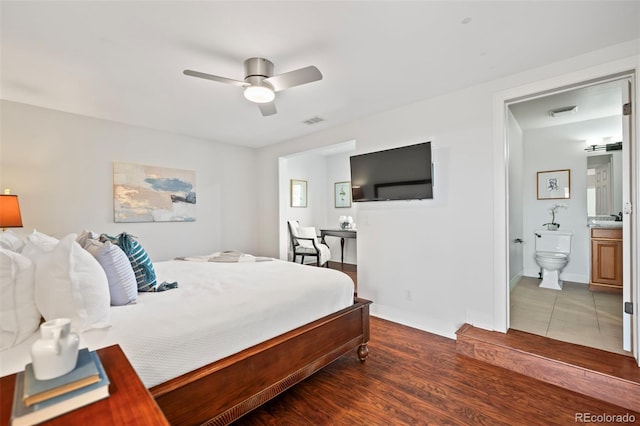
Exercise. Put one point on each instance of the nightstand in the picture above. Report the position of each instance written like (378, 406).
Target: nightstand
(129, 403)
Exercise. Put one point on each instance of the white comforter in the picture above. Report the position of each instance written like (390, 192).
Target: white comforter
(217, 310)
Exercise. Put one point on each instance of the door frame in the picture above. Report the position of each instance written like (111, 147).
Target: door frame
(542, 88)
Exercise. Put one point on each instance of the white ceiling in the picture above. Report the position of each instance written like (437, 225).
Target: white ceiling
(592, 102)
(123, 61)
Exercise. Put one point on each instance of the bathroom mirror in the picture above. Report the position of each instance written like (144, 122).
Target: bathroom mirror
(604, 184)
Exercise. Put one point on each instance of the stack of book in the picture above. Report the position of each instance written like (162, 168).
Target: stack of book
(35, 401)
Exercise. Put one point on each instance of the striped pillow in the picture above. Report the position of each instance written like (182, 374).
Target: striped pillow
(123, 286)
(140, 261)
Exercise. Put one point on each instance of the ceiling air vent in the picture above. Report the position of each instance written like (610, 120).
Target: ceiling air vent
(313, 120)
(559, 112)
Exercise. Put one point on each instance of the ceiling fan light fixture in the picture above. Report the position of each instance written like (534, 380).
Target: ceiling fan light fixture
(259, 94)
(260, 84)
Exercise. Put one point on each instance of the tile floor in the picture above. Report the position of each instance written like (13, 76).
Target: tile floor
(573, 314)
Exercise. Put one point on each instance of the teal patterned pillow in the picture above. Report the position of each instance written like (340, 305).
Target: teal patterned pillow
(140, 261)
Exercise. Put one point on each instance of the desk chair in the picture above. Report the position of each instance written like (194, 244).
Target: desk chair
(304, 242)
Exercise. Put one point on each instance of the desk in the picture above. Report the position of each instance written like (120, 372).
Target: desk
(129, 402)
(340, 233)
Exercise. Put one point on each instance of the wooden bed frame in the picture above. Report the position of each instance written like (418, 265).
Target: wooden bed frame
(223, 391)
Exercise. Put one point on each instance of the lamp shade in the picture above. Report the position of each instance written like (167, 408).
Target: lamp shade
(10, 212)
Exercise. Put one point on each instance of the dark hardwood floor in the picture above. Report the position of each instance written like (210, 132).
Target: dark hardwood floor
(415, 378)
(570, 366)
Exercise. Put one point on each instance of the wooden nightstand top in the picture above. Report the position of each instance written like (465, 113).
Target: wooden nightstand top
(130, 403)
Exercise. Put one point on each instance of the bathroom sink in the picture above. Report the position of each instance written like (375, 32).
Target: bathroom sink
(605, 223)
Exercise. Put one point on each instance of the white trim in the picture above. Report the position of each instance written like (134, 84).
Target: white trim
(431, 325)
(283, 197)
(627, 238)
(500, 217)
(514, 281)
(635, 215)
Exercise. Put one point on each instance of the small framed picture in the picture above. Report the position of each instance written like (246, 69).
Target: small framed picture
(554, 184)
(298, 193)
(342, 194)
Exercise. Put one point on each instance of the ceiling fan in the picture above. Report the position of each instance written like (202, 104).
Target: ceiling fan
(260, 84)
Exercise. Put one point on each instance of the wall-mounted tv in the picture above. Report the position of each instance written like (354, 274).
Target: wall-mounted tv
(404, 173)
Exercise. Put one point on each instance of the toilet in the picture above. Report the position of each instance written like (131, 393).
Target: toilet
(552, 255)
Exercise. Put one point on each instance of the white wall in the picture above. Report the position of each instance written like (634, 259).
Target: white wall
(556, 148)
(338, 170)
(430, 264)
(408, 251)
(313, 169)
(61, 167)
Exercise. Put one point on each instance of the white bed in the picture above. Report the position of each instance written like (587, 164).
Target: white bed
(218, 309)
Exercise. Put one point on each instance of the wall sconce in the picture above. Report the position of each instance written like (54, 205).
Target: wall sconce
(10, 216)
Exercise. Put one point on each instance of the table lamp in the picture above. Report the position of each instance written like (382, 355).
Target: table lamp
(10, 212)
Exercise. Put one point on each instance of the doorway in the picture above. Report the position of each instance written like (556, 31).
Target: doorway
(320, 168)
(578, 131)
(505, 223)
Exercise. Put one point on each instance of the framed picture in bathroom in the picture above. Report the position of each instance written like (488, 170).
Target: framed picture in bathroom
(554, 184)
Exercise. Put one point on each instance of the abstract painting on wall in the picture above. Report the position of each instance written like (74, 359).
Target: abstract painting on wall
(153, 194)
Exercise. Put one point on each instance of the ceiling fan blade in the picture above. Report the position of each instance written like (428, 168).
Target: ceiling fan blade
(215, 78)
(294, 78)
(268, 108)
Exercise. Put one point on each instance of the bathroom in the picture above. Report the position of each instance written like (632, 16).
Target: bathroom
(541, 144)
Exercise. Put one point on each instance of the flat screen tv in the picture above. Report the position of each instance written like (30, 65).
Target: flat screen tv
(404, 173)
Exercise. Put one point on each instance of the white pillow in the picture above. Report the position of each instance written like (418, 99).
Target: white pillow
(84, 237)
(307, 232)
(19, 317)
(70, 283)
(11, 241)
(38, 244)
(42, 240)
(294, 224)
(123, 286)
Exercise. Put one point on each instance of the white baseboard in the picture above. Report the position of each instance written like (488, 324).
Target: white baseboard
(430, 325)
(515, 280)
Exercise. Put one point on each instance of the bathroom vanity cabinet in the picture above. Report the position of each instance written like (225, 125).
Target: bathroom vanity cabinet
(606, 260)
